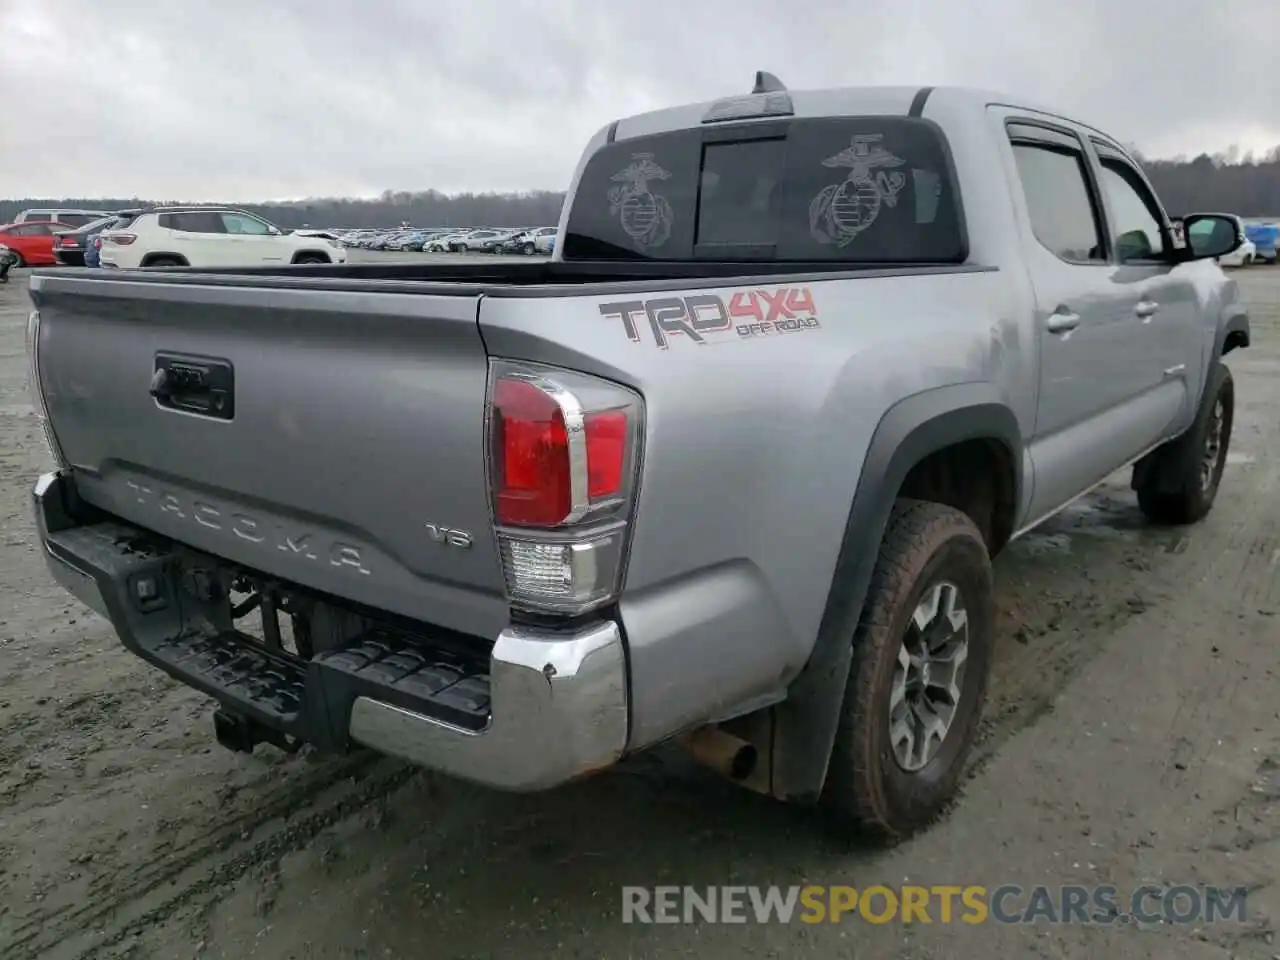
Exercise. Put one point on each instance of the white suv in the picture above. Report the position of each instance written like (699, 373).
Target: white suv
(210, 237)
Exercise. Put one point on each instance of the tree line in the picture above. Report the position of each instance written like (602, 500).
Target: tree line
(1229, 182)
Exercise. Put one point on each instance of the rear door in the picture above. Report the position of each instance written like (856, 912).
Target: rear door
(1094, 367)
(201, 238)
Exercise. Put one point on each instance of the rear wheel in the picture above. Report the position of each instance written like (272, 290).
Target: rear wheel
(18, 262)
(312, 258)
(918, 680)
(1181, 482)
(164, 262)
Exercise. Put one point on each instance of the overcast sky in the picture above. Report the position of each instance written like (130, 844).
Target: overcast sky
(273, 99)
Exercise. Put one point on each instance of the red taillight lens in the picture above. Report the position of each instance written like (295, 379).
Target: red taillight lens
(536, 461)
(606, 453)
(555, 458)
(97, 243)
(124, 239)
(532, 455)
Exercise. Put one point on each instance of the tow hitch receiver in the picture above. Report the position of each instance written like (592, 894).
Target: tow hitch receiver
(241, 734)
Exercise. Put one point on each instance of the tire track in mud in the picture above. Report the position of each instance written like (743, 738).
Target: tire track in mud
(1152, 567)
(211, 861)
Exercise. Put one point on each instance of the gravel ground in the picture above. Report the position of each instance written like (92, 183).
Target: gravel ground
(1133, 736)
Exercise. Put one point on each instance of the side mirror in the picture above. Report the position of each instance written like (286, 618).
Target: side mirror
(1209, 235)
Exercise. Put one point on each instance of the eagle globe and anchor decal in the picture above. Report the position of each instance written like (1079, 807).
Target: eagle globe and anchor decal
(645, 216)
(843, 210)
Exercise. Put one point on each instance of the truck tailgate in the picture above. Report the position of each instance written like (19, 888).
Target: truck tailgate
(352, 459)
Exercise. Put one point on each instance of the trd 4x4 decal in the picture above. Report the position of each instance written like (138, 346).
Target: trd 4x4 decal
(708, 318)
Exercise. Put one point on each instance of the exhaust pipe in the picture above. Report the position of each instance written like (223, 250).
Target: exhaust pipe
(728, 755)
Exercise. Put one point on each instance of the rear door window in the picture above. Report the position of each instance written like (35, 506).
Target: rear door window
(194, 221)
(859, 190)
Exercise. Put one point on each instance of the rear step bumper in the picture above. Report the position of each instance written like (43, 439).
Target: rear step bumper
(551, 707)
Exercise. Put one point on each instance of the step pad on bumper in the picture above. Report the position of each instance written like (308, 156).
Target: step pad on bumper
(312, 699)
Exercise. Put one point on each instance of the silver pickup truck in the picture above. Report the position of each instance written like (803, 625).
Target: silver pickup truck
(729, 470)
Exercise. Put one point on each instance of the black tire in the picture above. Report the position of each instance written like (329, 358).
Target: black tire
(312, 258)
(528, 249)
(1181, 482)
(868, 790)
(165, 262)
(18, 262)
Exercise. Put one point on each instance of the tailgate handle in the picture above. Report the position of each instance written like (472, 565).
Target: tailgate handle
(204, 386)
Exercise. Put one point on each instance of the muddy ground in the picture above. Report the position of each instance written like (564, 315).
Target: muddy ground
(1133, 737)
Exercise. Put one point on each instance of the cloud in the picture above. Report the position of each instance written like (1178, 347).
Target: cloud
(246, 100)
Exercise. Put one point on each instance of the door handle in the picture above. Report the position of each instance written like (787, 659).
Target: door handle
(1146, 309)
(1061, 322)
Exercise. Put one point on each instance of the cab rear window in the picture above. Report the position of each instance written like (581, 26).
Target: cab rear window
(850, 189)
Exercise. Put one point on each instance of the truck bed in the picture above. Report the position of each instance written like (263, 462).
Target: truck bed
(355, 431)
(505, 278)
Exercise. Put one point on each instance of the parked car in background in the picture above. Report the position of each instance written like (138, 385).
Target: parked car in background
(32, 242)
(70, 216)
(443, 243)
(380, 241)
(210, 237)
(71, 246)
(495, 243)
(473, 240)
(1245, 253)
(544, 241)
(514, 243)
(1264, 237)
(413, 241)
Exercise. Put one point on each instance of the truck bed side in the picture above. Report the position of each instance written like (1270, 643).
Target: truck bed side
(757, 435)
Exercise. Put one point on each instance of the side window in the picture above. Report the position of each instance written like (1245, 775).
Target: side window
(1136, 229)
(196, 221)
(239, 223)
(1063, 215)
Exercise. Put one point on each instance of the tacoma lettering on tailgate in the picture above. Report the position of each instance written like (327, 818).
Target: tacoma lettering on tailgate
(294, 541)
(707, 318)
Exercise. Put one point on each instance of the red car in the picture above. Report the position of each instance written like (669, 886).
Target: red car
(32, 241)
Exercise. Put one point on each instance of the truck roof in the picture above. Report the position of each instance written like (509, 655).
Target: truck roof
(835, 102)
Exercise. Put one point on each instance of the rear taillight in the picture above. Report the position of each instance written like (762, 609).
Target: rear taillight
(123, 239)
(36, 388)
(564, 462)
(97, 243)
